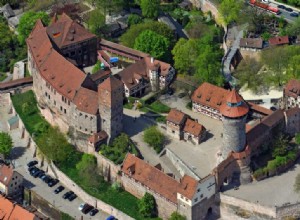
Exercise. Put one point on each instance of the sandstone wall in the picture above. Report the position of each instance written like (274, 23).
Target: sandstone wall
(164, 206)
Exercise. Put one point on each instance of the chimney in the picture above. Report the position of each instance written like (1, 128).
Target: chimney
(152, 60)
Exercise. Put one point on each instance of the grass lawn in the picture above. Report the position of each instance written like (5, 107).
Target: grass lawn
(26, 106)
(159, 107)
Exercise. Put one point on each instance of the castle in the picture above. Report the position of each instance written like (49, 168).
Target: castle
(66, 95)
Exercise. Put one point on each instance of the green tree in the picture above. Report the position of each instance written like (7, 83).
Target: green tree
(147, 205)
(294, 67)
(87, 163)
(293, 29)
(297, 138)
(150, 8)
(109, 6)
(54, 145)
(209, 66)
(27, 22)
(280, 147)
(154, 138)
(5, 143)
(230, 10)
(128, 38)
(297, 183)
(177, 216)
(154, 44)
(184, 52)
(134, 19)
(96, 21)
(247, 74)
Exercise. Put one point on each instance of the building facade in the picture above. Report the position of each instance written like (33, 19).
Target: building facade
(11, 182)
(291, 94)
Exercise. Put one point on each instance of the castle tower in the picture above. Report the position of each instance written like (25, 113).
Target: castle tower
(110, 96)
(234, 113)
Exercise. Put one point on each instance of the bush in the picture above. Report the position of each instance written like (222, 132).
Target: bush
(154, 138)
(147, 205)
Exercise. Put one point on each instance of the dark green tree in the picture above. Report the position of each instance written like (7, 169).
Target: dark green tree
(280, 147)
(154, 44)
(6, 143)
(96, 21)
(247, 74)
(147, 205)
(177, 216)
(128, 39)
(230, 10)
(154, 138)
(54, 145)
(150, 8)
(134, 19)
(27, 22)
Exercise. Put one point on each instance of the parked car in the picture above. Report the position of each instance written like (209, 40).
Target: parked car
(59, 189)
(34, 170)
(86, 209)
(93, 212)
(72, 197)
(281, 6)
(37, 173)
(294, 14)
(41, 173)
(31, 168)
(53, 182)
(289, 9)
(32, 163)
(82, 206)
(67, 194)
(42, 176)
(47, 179)
(111, 217)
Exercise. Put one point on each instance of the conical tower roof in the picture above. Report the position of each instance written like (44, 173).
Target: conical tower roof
(234, 105)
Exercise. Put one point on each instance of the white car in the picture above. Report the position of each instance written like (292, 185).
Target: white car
(81, 206)
(265, 1)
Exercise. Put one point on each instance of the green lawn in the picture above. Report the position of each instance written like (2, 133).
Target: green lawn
(159, 107)
(26, 106)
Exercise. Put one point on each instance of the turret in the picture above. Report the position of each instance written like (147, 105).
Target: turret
(234, 114)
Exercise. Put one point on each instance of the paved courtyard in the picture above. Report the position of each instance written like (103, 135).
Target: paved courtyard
(200, 158)
(273, 191)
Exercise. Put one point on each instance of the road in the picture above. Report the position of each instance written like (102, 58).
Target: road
(284, 13)
(20, 156)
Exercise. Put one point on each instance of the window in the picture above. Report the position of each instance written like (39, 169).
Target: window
(65, 111)
(201, 196)
(198, 190)
(61, 108)
(186, 200)
(54, 102)
(196, 200)
(72, 53)
(173, 132)
(181, 196)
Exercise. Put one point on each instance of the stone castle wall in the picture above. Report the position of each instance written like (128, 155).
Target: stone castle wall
(164, 206)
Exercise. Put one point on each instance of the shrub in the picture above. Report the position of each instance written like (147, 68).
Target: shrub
(154, 138)
(147, 205)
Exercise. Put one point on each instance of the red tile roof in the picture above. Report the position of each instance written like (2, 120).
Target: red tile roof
(153, 64)
(279, 40)
(210, 95)
(259, 109)
(10, 211)
(6, 173)
(158, 181)
(111, 83)
(175, 116)
(234, 106)
(97, 137)
(193, 127)
(65, 32)
(292, 88)
(86, 100)
(256, 43)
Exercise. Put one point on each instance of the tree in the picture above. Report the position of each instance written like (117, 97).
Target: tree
(280, 147)
(209, 66)
(96, 21)
(128, 39)
(229, 10)
(147, 205)
(293, 29)
(247, 74)
(5, 143)
(54, 145)
(177, 216)
(109, 6)
(134, 19)
(154, 44)
(71, 9)
(27, 22)
(184, 52)
(297, 138)
(150, 8)
(154, 138)
(297, 183)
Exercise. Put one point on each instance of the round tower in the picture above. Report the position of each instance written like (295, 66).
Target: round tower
(234, 113)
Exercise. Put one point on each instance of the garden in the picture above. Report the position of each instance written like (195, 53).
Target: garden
(80, 167)
(280, 157)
